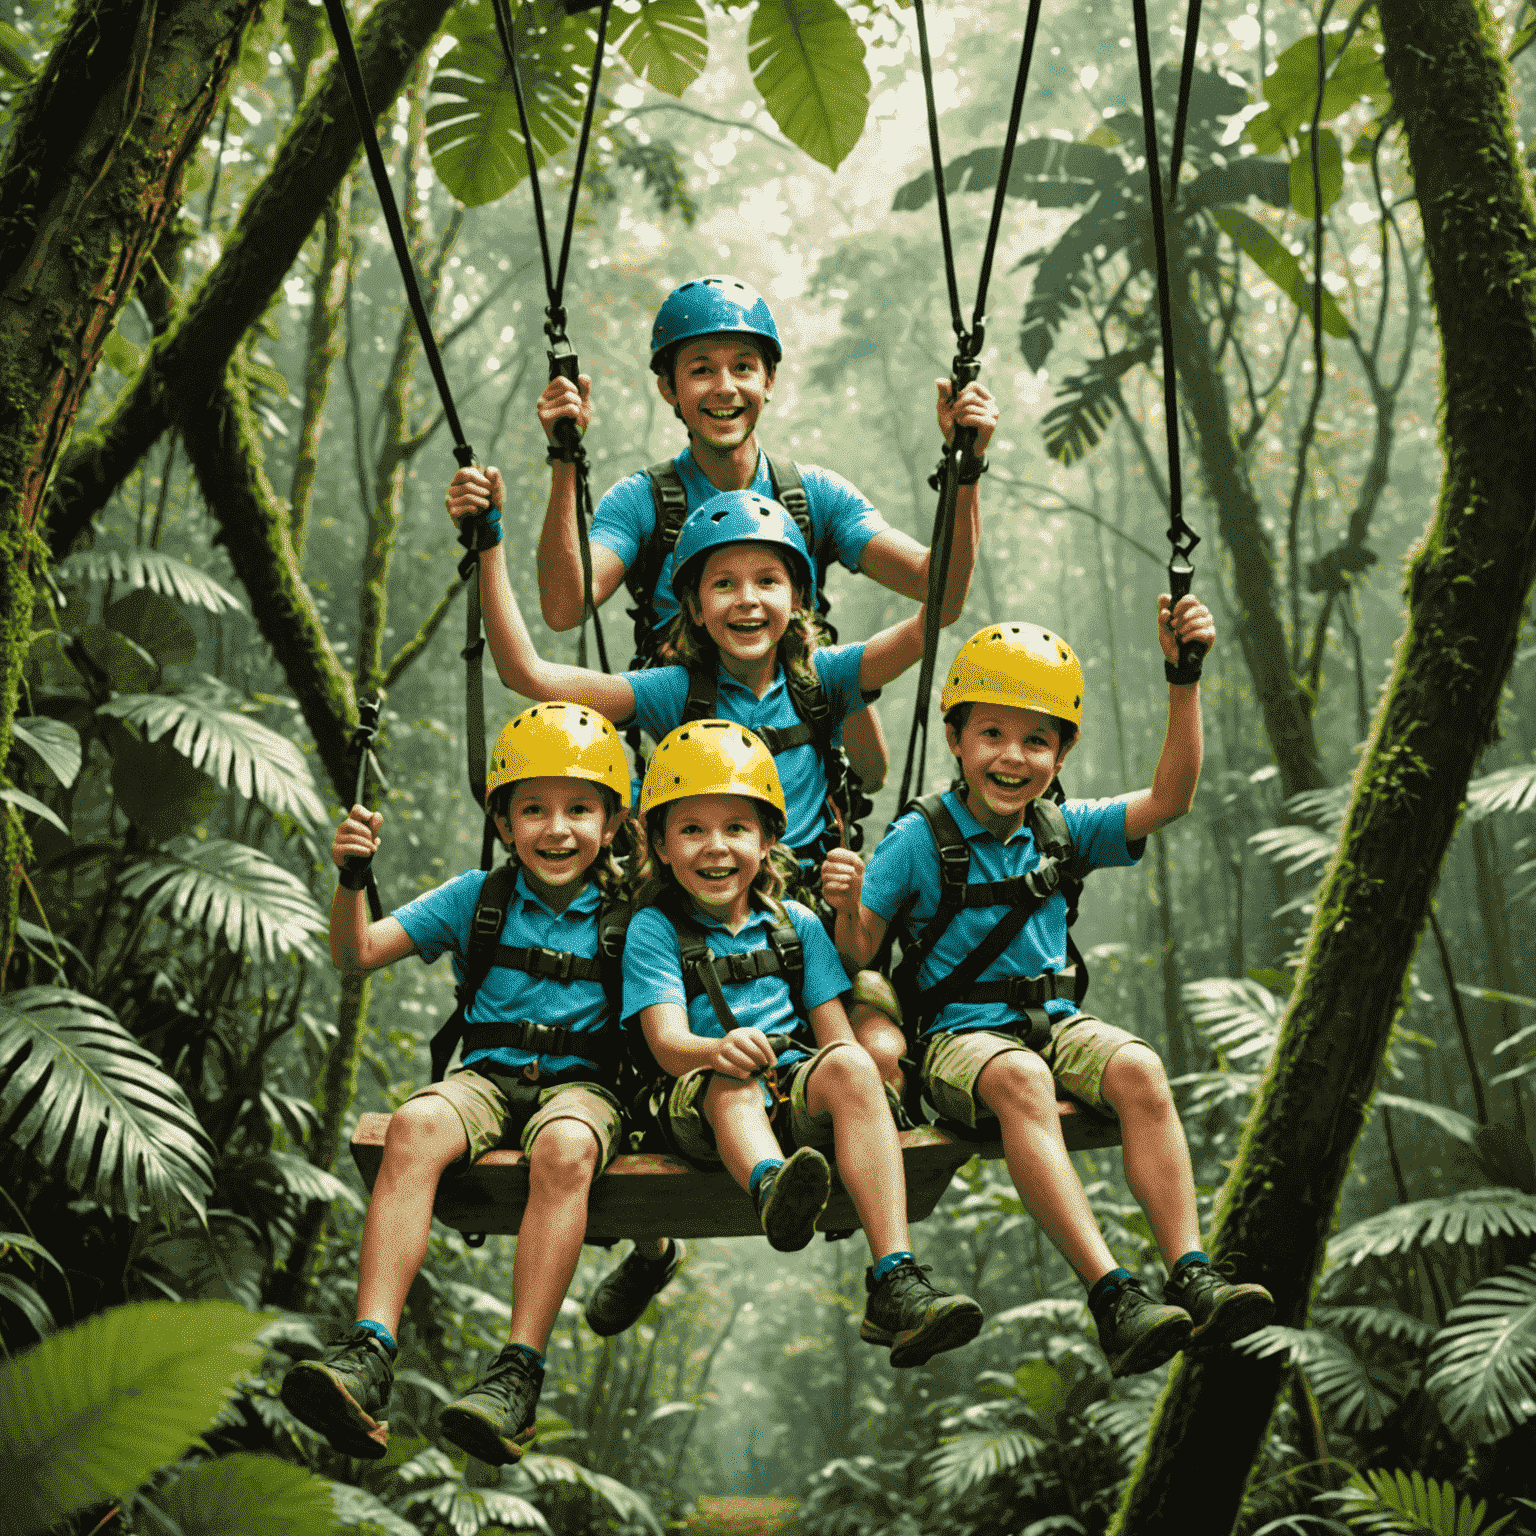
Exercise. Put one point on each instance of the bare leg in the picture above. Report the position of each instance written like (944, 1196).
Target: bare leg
(1017, 1088)
(425, 1135)
(734, 1108)
(561, 1164)
(882, 1038)
(1157, 1166)
(847, 1083)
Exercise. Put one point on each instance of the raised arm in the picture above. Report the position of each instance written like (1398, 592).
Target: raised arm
(559, 555)
(358, 946)
(859, 931)
(1172, 791)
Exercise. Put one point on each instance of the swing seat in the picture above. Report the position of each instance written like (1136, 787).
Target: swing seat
(648, 1195)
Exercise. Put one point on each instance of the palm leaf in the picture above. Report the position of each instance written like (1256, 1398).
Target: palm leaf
(356, 1506)
(1385, 1501)
(1509, 789)
(1066, 272)
(1377, 1323)
(237, 894)
(1295, 848)
(149, 568)
(298, 1178)
(965, 1461)
(1125, 1418)
(1324, 808)
(17, 1292)
(1240, 1017)
(229, 746)
(1470, 1217)
(1053, 173)
(1049, 1311)
(92, 1104)
(1451, 1121)
(1342, 1381)
(629, 1507)
(467, 1511)
(1087, 404)
(90, 1413)
(56, 743)
(247, 1495)
(1483, 1365)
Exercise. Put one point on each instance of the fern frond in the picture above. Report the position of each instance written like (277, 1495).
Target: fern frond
(622, 1501)
(229, 746)
(1482, 1370)
(1065, 272)
(149, 568)
(1323, 808)
(965, 1461)
(1087, 404)
(1049, 1311)
(1240, 1017)
(467, 1511)
(1376, 1323)
(1385, 1501)
(236, 894)
(356, 1506)
(1470, 1217)
(1295, 848)
(1462, 1127)
(1347, 1385)
(91, 1104)
(1507, 789)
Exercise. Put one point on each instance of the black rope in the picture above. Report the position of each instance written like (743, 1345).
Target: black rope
(963, 371)
(562, 358)
(362, 744)
(1181, 537)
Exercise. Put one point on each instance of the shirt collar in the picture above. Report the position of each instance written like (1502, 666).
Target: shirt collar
(972, 830)
(725, 680)
(588, 901)
(759, 916)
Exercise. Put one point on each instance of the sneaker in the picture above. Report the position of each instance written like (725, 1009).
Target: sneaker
(344, 1395)
(916, 1319)
(621, 1297)
(791, 1197)
(493, 1421)
(1138, 1334)
(1223, 1312)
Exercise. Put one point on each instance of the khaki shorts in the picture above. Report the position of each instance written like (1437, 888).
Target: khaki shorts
(695, 1137)
(1080, 1049)
(492, 1119)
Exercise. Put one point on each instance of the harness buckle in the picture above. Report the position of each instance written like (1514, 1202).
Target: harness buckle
(554, 963)
(486, 922)
(954, 864)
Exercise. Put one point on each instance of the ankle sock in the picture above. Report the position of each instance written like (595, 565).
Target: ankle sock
(661, 1260)
(1103, 1290)
(1194, 1256)
(883, 1266)
(755, 1180)
(524, 1349)
(380, 1332)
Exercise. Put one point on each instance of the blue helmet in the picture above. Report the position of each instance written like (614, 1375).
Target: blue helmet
(739, 517)
(709, 306)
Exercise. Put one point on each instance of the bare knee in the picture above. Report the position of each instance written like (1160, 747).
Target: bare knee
(727, 1093)
(881, 1038)
(1018, 1085)
(564, 1153)
(848, 1077)
(1136, 1086)
(424, 1134)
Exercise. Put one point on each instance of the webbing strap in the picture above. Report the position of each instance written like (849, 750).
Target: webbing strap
(540, 1039)
(562, 360)
(548, 964)
(963, 371)
(1181, 537)
(362, 744)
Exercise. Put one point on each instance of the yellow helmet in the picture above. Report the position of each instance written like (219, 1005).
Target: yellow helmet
(711, 757)
(559, 741)
(1020, 665)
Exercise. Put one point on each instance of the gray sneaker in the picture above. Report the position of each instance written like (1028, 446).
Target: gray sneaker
(493, 1421)
(914, 1317)
(623, 1294)
(1223, 1311)
(344, 1395)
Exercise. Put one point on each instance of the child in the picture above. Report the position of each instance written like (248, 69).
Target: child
(1012, 704)
(747, 586)
(715, 352)
(556, 791)
(737, 994)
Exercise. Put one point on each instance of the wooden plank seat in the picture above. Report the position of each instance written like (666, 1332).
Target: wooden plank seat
(651, 1195)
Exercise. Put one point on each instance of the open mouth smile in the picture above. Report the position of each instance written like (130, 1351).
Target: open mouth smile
(1006, 781)
(556, 855)
(715, 874)
(723, 413)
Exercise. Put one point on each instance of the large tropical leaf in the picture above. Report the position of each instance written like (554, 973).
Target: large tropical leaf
(1470, 1217)
(1451, 1121)
(627, 1506)
(90, 1413)
(1483, 1365)
(808, 61)
(1241, 1018)
(356, 1506)
(228, 745)
(435, 1484)
(298, 1177)
(16, 1291)
(1066, 270)
(149, 568)
(1055, 173)
(236, 894)
(1280, 267)
(1376, 1323)
(1396, 1502)
(90, 1103)
(247, 1495)
(155, 623)
(1343, 1381)
(1295, 848)
(1508, 789)
(56, 743)
(473, 133)
(1087, 403)
(667, 43)
(1290, 88)
(1232, 184)
(966, 1460)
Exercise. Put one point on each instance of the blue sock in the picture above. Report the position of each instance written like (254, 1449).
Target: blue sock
(755, 1180)
(883, 1266)
(1105, 1286)
(526, 1349)
(1194, 1256)
(379, 1331)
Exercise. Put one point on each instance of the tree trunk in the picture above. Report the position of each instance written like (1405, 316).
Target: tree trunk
(267, 238)
(1467, 586)
(91, 176)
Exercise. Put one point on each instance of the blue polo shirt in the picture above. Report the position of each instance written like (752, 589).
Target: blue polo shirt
(843, 520)
(653, 973)
(907, 863)
(661, 693)
(439, 922)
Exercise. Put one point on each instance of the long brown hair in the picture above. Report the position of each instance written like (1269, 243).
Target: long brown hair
(604, 871)
(656, 881)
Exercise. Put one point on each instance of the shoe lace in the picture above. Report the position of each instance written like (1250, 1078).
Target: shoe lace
(909, 1275)
(506, 1370)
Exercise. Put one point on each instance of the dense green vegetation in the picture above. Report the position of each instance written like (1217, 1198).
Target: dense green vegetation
(243, 534)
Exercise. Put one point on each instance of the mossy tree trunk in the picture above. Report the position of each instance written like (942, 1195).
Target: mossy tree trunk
(1467, 587)
(91, 176)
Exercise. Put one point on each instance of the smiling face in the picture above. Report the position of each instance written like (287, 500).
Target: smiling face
(1008, 756)
(718, 388)
(715, 845)
(558, 827)
(745, 600)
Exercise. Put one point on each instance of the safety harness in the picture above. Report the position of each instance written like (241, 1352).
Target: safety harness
(1022, 895)
(486, 952)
